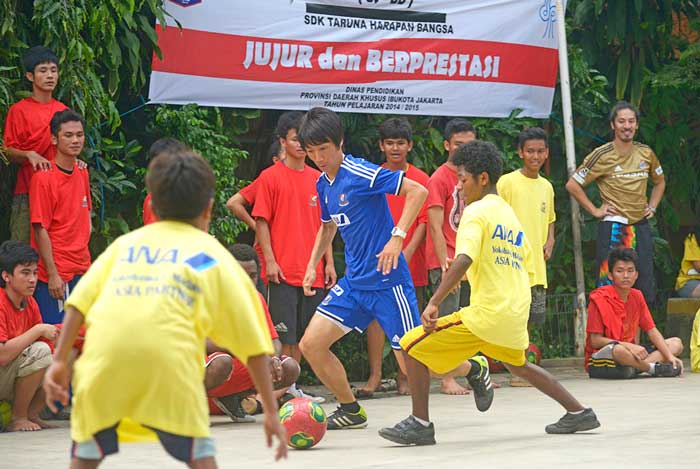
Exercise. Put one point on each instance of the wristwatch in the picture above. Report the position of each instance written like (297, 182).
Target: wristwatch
(396, 231)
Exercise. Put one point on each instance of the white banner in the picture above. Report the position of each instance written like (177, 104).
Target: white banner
(429, 57)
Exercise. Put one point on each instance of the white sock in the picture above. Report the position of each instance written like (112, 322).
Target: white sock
(652, 368)
(422, 422)
(577, 412)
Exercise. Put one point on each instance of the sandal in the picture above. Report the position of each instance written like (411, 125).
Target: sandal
(387, 385)
(361, 393)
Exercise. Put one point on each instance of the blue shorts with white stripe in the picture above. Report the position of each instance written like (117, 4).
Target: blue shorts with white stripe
(395, 308)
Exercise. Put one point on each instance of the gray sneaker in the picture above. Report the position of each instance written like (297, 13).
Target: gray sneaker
(410, 431)
(572, 423)
(481, 385)
(231, 406)
(666, 370)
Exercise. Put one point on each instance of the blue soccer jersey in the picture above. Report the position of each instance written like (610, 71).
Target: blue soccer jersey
(356, 201)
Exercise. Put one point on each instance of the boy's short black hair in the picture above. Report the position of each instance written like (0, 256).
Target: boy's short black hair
(320, 125)
(532, 133)
(14, 253)
(479, 157)
(456, 126)
(619, 106)
(36, 56)
(288, 121)
(274, 150)
(61, 117)
(181, 184)
(395, 128)
(165, 145)
(244, 253)
(622, 255)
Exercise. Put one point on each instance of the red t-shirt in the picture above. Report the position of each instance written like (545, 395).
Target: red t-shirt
(148, 215)
(613, 318)
(442, 192)
(249, 193)
(288, 201)
(61, 203)
(417, 266)
(27, 128)
(15, 322)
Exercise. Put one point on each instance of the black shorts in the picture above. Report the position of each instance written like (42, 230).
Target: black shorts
(601, 365)
(182, 448)
(291, 310)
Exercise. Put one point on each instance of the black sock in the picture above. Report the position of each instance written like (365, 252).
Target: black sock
(476, 369)
(352, 407)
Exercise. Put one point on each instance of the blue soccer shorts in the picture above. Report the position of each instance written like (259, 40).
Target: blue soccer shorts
(395, 308)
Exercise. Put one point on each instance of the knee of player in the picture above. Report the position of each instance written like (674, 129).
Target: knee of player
(675, 345)
(290, 372)
(219, 370)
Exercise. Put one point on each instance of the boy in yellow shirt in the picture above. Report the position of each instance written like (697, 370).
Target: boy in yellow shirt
(492, 246)
(149, 302)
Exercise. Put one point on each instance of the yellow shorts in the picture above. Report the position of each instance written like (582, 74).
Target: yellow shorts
(451, 344)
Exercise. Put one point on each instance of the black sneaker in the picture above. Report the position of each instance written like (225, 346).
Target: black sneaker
(342, 419)
(409, 431)
(481, 385)
(572, 423)
(231, 406)
(666, 370)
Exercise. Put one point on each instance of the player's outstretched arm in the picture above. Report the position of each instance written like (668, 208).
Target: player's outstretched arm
(259, 369)
(324, 236)
(57, 376)
(451, 279)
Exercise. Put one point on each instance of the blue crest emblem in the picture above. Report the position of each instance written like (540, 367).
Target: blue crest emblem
(548, 15)
(186, 3)
(343, 200)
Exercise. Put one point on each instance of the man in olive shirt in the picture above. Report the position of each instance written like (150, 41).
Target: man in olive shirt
(621, 170)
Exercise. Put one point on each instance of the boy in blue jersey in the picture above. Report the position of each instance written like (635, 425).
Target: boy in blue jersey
(377, 283)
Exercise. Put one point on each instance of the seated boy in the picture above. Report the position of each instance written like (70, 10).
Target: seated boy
(23, 358)
(229, 386)
(149, 303)
(615, 314)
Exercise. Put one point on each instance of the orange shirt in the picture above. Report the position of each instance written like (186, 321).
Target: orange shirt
(15, 322)
(611, 317)
(27, 128)
(417, 266)
(288, 201)
(61, 204)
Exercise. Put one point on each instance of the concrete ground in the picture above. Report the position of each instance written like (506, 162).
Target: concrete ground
(645, 423)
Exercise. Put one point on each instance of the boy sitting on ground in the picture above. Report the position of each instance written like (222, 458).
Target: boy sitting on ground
(615, 314)
(23, 358)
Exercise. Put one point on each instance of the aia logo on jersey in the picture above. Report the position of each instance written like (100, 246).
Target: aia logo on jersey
(343, 200)
(643, 165)
(83, 203)
(314, 201)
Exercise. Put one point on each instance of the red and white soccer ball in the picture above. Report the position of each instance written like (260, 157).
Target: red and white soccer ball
(305, 422)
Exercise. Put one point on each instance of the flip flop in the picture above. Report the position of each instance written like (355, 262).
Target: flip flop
(387, 385)
(361, 393)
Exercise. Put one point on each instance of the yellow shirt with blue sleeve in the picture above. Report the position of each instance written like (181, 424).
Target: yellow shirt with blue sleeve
(150, 301)
(500, 274)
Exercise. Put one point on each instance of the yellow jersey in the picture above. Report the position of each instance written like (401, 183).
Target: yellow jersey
(691, 253)
(150, 301)
(533, 203)
(491, 235)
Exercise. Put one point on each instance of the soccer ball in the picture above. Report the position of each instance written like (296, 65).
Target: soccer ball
(305, 422)
(533, 354)
(5, 414)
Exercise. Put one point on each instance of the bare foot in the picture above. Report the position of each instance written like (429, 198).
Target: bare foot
(452, 387)
(370, 386)
(22, 425)
(42, 423)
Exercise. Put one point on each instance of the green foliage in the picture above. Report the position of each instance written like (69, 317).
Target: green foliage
(203, 130)
(626, 39)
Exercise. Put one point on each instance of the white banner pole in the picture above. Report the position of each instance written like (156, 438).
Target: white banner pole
(581, 311)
